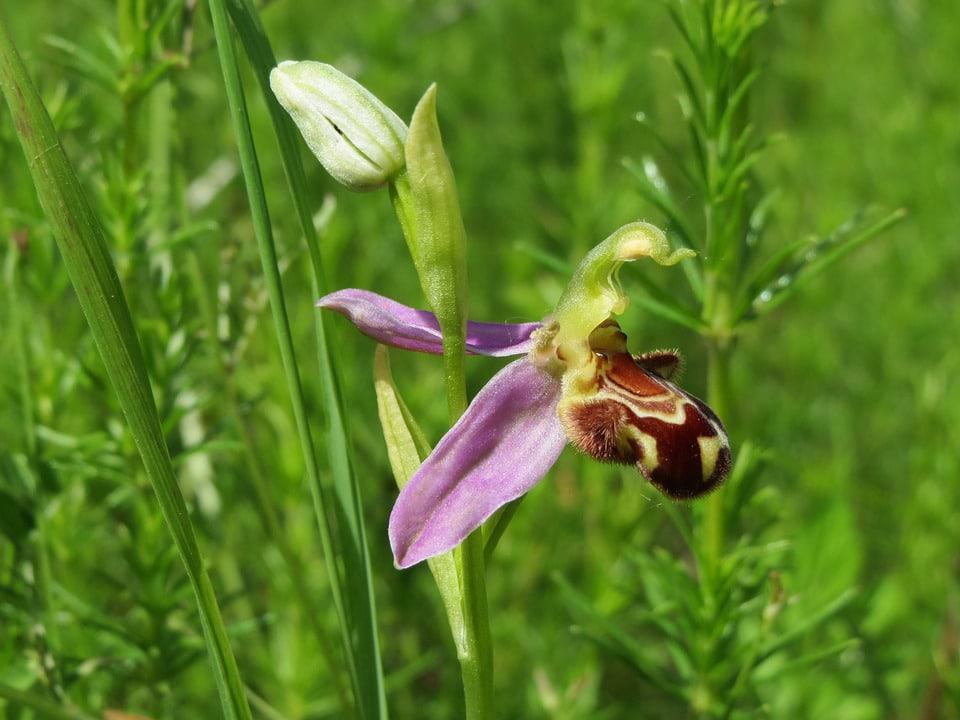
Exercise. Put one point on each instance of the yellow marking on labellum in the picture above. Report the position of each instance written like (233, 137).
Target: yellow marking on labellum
(622, 408)
(650, 459)
(646, 407)
(709, 452)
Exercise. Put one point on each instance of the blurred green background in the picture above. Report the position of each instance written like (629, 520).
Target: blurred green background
(851, 390)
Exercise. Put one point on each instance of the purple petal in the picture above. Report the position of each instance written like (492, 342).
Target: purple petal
(389, 322)
(506, 441)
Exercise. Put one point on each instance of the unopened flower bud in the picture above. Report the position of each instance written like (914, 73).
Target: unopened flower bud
(357, 138)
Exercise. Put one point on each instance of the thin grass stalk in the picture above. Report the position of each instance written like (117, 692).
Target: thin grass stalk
(476, 657)
(266, 511)
(370, 696)
(83, 248)
(45, 608)
(718, 390)
(348, 507)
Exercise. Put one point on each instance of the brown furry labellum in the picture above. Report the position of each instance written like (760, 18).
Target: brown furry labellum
(636, 416)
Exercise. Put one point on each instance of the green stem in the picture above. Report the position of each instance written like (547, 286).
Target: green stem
(476, 657)
(475, 648)
(476, 652)
(718, 377)
(268, 257)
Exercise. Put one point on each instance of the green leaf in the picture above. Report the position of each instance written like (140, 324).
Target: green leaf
(660, 303)
(430, 214)
(42, 704)
(86, 256)
(819, 256)
(608, 635)
(407, 448)
(803, 628)
(353, 589)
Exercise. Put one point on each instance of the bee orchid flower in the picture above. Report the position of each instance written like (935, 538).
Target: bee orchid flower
(576, 382)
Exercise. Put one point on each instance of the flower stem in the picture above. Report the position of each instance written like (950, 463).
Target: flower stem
(474, 646)
(475, 651)
(718, 374)
(476, 654)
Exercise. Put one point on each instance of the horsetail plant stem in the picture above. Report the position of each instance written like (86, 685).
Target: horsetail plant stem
(363, 663)
(86, 256)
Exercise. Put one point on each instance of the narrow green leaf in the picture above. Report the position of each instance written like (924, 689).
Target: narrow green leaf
(659, 302)
(439, 247)
(815, 261)
(407, 448)
(732, 103)
(669, 151)
(353, 591)
(661, 201)
(83, 247)
(690, 89)
(496, 526)
(547, 259)
(681, 24)
(803, 628)
(608, 635)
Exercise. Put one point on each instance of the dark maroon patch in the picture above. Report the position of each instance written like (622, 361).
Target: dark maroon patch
(665, 363)
(623, 370)
(600, 427)
(679, 473)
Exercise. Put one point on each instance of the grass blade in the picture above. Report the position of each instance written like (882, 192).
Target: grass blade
(83, 247)
(359, 628)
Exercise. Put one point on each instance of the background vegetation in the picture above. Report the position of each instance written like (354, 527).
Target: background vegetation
(849, 394)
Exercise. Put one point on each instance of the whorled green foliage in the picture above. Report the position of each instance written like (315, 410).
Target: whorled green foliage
(85, 253)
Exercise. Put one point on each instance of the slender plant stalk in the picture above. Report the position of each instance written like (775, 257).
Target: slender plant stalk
(45, 608)
(352, 538)
(85, 254)
(475, 652)
(476, 665)
(364, 670)
(265, 506)
(718, 380)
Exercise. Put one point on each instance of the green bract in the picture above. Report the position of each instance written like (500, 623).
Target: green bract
(357, 138)
(429, 211)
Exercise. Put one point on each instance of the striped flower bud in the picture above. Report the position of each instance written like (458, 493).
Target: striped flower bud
(357, 138)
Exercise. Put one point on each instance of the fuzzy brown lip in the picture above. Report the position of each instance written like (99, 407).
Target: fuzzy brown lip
(638, 417)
